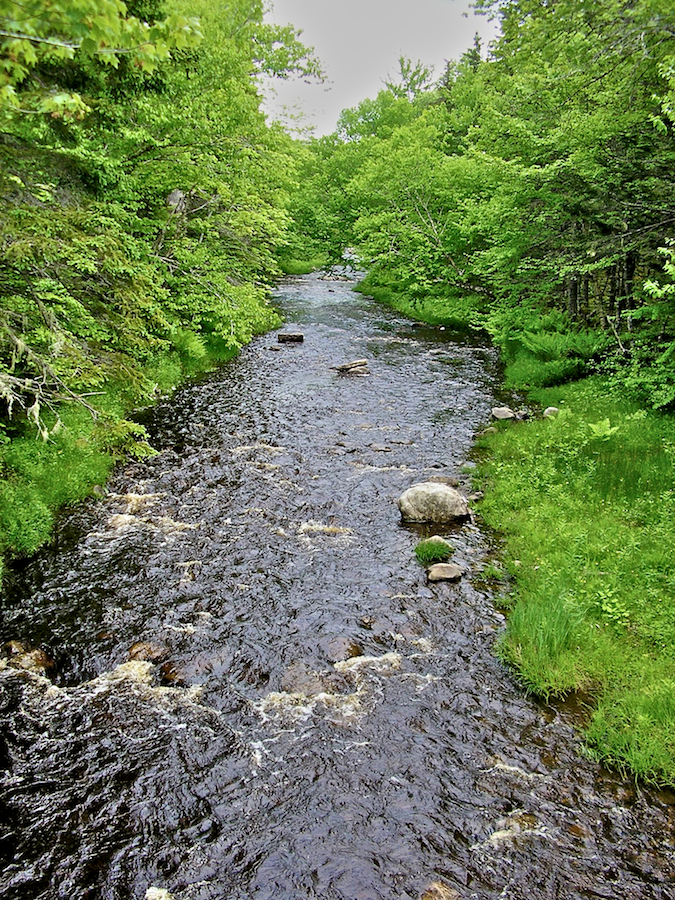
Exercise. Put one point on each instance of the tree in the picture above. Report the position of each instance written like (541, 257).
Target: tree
(37, 32)
(545, 181)
(145, 223)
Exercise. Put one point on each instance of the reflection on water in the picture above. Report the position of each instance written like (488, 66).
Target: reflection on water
(254, 692)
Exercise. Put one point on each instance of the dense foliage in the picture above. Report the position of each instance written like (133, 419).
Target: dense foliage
(530, 194)
(142, 196)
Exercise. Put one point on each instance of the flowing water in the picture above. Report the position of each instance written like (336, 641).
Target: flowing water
(254, 691)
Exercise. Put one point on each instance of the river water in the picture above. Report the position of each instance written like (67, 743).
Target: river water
(256, 694)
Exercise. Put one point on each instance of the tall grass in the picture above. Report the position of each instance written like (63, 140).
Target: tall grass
(587, 504)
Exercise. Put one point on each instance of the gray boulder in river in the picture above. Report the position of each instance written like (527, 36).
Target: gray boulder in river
(444, 572)
(432, 502)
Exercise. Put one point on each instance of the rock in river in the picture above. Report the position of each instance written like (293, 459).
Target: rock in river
(18, 656)
(357, 367)
(444, 572)
(432, 502)
(148, 650)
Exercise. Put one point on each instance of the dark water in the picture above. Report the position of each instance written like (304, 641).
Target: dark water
(255, 692)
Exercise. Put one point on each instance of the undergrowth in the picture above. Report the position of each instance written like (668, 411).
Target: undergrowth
(586, 502)
(454, 310)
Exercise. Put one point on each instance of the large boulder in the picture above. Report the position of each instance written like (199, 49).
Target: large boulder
(432, 502)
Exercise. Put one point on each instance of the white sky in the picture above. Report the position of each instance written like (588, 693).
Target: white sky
(359, 43)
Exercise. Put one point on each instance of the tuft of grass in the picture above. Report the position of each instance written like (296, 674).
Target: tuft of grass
(647, 750)
(434, 549)
(586, 502)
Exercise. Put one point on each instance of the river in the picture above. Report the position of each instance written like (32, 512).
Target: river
(254, 691)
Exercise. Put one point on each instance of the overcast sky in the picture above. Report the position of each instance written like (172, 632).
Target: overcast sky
(359, 43)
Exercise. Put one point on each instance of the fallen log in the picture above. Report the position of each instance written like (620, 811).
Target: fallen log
(288, 337)
(351, 367)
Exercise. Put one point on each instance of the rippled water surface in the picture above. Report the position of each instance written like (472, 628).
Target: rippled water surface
(255, 693)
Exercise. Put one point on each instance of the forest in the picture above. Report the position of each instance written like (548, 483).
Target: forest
(143, 199)
(528, 195)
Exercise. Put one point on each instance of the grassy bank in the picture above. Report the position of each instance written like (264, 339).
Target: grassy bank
(292, 266)
(586, 502)
(38, 477)
(452, 309)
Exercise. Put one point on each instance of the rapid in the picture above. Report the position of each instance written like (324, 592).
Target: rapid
(249, 689)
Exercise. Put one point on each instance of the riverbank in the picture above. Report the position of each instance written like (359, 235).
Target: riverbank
(242, 623)
(586, 504)
(41, 475)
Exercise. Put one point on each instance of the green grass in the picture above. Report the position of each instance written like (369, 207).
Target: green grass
(451, 310)
(38, 478)
(586, 502)
(302, 266)
(433, 550)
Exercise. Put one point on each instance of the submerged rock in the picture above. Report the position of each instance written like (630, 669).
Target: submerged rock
(20, 657)
(299, 678)
(451, 480)
(432, 502)
(340, 648)
(148, 650)
(438, 891)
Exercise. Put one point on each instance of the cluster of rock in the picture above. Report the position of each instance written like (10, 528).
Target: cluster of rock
(502, 413)
(431, 502)
(505, 413)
